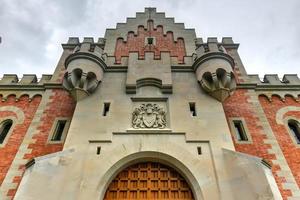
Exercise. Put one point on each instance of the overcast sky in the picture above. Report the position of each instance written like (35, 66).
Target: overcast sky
(32, 30)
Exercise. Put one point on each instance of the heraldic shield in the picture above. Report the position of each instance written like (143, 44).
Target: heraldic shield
(149, 116)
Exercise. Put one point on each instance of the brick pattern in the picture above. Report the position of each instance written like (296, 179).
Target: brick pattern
(60, 105)
(14, 140)
(290, 150)
(55, 103)
(136, 43)
(245, 104)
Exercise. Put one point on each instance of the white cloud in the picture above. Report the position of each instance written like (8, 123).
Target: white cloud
(32, 30)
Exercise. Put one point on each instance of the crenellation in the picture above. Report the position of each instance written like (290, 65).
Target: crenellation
(254, 78)
(291, 79)
(86, 45)
(273, 80)
(214, 69)
(101, 41)
(88, 40)
(9, 79)
(212, 40)
(73, 40)
(227, 40)
(212, 43)
(45, 78)
(198, 41)
(28, 79)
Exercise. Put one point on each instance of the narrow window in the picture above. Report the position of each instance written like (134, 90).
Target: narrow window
(295, 129)
(240, 130)
(98, 150)
(199, 150)
(105, 109)
(59, 129)
(193, 109)
(150, 40)
(4, 129)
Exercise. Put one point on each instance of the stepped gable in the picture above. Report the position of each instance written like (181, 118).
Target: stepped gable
(168, 36)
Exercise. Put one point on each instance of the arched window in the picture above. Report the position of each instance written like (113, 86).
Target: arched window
(295, 129)
(4, 129)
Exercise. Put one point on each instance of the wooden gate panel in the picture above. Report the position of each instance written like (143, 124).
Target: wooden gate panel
(149, 180)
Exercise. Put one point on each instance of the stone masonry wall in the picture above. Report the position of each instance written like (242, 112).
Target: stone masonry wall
(290, 108)
(266, 143)
(14, 140)
(55, 103)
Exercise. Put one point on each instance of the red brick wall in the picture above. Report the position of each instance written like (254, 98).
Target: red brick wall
(238, 106)
(164, 43)
(9, 150)
(61, 104)
(290, 150)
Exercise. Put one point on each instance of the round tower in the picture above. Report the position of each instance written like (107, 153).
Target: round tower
(214, 69)
(85, 68)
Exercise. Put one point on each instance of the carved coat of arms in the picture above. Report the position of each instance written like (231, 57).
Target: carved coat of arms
(149, 116)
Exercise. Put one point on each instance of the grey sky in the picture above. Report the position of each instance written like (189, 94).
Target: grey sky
(32, 30)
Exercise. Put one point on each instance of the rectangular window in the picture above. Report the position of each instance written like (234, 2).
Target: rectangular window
(150, 40)
(98, 150)
(240, 130)
(199, 150)
(59, 129)
(105, 109)
(193, 109)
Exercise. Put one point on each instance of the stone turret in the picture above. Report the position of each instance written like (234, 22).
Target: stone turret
(214, 69)
(85, 68)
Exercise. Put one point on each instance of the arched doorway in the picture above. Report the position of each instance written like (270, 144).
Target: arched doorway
(149, 180)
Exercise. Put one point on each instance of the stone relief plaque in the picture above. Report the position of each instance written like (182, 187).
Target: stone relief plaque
(149, 115)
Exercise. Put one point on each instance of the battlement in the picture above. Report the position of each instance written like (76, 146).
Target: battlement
(213, 45)
(273, 79)
(27, 79)
(87, 44)
(271, 85)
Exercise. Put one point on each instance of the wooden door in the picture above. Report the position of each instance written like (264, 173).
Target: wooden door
(149, 180)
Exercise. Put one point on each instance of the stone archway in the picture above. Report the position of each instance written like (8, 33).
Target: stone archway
(149, 180)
